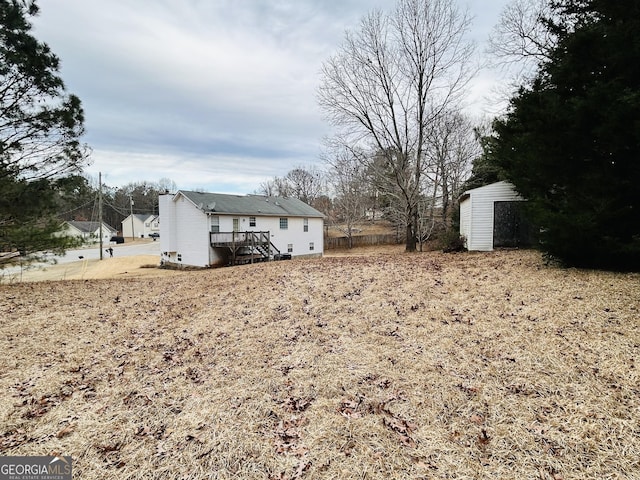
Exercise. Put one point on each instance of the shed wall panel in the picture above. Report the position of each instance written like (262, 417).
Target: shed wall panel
(481, 213)
(465, 220)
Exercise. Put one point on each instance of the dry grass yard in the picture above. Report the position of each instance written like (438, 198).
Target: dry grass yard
(113, 268)
(378, 366)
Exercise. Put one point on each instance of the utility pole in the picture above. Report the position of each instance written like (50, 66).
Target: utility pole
(100, 210)
(133, 233)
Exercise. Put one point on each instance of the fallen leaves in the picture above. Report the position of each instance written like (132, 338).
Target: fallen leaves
(288, 436)
(402, 427)
(342, 369)
(13, 438)
(354, 408)
(350, 408)
(65, 431)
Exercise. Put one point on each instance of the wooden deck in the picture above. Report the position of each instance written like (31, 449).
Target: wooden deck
(245, 247)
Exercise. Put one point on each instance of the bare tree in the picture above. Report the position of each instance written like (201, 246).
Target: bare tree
(347, 178)
(521, 40)
(389, 81)
(453, 145)
(167, 185)
(304, 183)
(274, 187)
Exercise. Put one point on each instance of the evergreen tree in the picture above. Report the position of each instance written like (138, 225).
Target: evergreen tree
(40, 127)
(570, 142)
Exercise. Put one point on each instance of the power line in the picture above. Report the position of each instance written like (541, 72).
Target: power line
(77, 208)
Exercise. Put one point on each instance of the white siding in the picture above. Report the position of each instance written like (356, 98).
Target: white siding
(185, 229)
(192, 228)
(465, 219)
(168, 234)
(479, 210)
(184, 232)
(294, 234)
(140, 227)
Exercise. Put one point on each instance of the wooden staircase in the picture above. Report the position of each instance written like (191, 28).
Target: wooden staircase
(247, 247)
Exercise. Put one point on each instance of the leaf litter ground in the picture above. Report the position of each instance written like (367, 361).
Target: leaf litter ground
(386, 366)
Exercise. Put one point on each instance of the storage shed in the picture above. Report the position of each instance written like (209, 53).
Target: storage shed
(491, 217)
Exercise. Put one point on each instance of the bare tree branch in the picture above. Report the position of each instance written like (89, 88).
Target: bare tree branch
(388, 82)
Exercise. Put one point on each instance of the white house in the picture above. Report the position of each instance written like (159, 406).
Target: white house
(490, 217)
(140, 225)
(212, 229)
(89, 231)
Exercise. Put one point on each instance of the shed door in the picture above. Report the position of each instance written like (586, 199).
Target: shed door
(510, 228)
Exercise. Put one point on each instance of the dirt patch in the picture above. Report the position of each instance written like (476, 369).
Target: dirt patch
(385, 366)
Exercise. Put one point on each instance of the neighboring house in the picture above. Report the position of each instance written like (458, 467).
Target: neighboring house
(491, 217)
(143, 225)
(211, 229)
(88, 231)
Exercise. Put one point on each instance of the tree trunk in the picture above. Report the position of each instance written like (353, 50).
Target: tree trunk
(410, 245)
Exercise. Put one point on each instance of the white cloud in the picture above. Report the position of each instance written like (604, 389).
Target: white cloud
(219, 93)
(188, 172)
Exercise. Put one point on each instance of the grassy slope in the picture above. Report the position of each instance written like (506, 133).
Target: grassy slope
(388, 366)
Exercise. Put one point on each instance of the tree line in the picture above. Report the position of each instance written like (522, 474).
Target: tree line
(78, 200)
(394, 92)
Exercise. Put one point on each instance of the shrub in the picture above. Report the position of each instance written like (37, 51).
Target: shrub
(452, 241)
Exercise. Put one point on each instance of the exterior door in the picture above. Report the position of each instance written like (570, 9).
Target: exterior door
(510, 228)
(236, 224)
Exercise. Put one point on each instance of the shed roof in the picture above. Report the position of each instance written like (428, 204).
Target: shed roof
(250, 204)
(491, 186)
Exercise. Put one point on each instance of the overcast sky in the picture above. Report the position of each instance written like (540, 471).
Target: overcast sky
(216, 95)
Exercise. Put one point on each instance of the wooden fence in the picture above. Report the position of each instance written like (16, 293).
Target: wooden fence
(361, 241)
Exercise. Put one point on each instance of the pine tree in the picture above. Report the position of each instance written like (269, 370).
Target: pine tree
(570, 142)
(40, 128)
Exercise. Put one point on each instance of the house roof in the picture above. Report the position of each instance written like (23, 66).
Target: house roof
(141, 216)
(89, 227)
(250, 204)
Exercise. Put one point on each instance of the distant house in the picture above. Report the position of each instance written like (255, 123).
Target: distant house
(88, 231)
(143, 225)
(491, 217)
(212, 229)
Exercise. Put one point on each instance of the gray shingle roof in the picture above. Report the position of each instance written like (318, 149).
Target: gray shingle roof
(143, 216)
(88, 227)
(251, 204)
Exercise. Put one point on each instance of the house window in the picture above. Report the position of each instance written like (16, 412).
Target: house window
(236, 224)
(215, 224)
(252, 221)
(147, 224)
(310, 245)
(290, 248)
(284, 223)
(179, 257)
(306, 225)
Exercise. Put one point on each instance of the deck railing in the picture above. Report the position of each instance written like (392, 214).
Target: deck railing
(239, 239)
